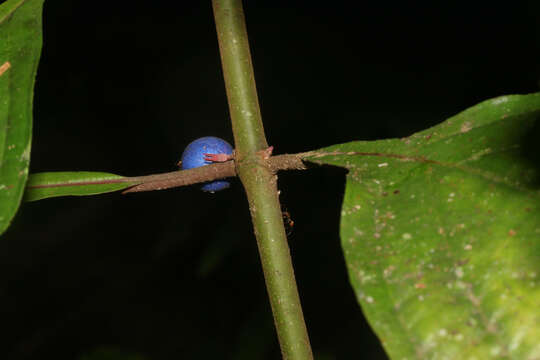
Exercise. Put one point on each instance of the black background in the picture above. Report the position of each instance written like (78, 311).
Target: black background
(124, 86)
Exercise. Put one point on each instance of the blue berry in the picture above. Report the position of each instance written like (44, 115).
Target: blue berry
(193, 157)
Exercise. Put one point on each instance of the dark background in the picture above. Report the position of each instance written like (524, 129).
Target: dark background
(124, 86)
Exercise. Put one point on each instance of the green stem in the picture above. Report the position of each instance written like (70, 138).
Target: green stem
(259, 180)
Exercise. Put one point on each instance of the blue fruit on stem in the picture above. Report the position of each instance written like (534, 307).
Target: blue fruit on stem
(193, 157)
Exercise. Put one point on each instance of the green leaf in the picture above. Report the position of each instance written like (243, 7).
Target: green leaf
(441, 234)
(80, 183)
(20, 47)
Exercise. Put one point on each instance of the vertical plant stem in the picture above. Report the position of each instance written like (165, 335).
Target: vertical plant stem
(259, 181)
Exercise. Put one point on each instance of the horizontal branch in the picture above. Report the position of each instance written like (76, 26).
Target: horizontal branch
(208, 173)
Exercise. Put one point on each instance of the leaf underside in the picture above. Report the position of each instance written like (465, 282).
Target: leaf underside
(79, 183)
(20, 47)
(441, 233)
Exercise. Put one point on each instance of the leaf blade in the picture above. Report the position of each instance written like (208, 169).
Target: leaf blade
(79, 183)
(20, 48)
(440, 234)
